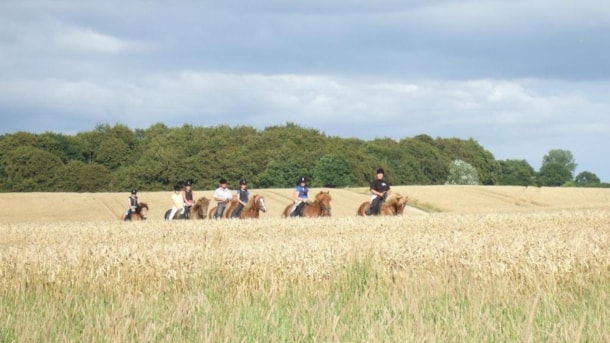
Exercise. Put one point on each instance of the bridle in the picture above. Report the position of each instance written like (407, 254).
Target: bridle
(264, 206)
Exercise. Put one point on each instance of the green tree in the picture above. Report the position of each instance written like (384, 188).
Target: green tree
(281, 174)
(516, 173)
(557, 168)
(333, 171)
(462, 173)
(78, 176)
(30, 169)
(587, 179)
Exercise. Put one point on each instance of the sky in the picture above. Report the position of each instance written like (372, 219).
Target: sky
(521, 77)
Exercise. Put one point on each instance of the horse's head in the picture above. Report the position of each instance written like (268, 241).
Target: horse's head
(259, 202)
(323, 200)
(201, 207)
(142, 210)
(399, 202)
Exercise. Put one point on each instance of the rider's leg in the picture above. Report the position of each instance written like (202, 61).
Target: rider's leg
(172, 213)
(219, 210)
(237, 211)
(128, 214)
(376, 206)
(293, 212)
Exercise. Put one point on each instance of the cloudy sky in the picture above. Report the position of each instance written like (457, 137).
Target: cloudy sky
(522, 77)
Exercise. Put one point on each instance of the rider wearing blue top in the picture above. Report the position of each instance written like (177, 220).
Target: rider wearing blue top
(242, 197)
(300, 197)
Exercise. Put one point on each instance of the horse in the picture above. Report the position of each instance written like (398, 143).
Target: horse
(320, 207)
(228, 209)
(197, 211)
(140, 213)
(253, 207)
(395, 206)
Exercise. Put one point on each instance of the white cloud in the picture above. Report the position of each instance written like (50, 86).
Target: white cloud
(87, 40)
(521, 77)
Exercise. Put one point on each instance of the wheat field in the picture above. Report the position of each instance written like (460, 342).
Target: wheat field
(464, 264)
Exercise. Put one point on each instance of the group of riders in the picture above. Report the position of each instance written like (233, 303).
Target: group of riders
(183, 198)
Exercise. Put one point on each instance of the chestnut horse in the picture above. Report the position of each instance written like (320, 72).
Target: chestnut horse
(252, 208)
(320, 207)
(140, 213)
(228, 209)
(198, 211)
(395, 206)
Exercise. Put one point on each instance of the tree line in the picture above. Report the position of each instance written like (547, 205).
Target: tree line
(116, 158)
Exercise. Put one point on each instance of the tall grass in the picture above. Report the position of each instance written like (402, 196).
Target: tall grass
(442, 278)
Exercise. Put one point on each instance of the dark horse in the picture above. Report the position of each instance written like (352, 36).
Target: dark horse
(140, 213)
(395, 206)
(320, 207)
(198, 211)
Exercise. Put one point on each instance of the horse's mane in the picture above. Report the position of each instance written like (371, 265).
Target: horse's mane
(143, 205)
(199, 203)
(323, 195)
(252, 202)
(397, 201)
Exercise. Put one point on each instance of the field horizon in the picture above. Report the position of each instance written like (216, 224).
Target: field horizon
(49, 207)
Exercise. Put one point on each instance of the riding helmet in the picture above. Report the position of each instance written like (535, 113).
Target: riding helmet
(134, 191)
(243, 182)
(302, 179)
(188, 183)
(380, 171)
(223, 181)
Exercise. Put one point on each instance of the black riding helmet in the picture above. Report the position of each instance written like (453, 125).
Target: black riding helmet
(301, 179)
(134, 191)
(188, 183)
(243, 182)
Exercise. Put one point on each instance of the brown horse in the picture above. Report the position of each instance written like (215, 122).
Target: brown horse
(140, 213)
(253, 207)
(198, 211)
(395, 206)
(320, 207)
(228, 209)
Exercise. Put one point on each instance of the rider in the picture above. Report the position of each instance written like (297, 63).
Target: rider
(380, 190)
(133, 204)
(300, 197)
(177, 201)
(187, 198)
(243, 193)
(223, 196)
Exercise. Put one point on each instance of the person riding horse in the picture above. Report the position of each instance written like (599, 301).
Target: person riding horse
(380, 190)
(223, 196)
(188, 198)
(243, 194)
(177, 202)
(133, 204)
(300, 197)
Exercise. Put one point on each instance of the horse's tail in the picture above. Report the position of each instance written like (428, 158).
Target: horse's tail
(286, 212)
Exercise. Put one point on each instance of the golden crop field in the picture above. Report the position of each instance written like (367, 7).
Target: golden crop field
(464, 264)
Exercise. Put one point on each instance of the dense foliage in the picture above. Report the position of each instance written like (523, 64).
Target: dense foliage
(116, 158)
